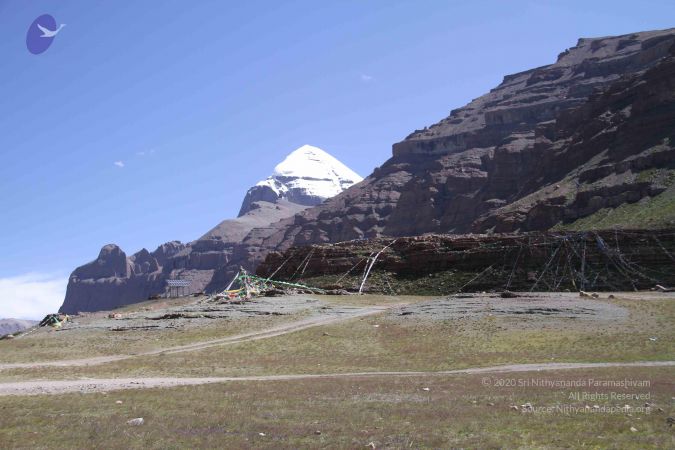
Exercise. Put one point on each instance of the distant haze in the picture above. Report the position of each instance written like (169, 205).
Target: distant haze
(31, 296)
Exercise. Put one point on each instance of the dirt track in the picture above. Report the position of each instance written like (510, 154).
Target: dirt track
(461, 307)
(109, 384)
(230, 340)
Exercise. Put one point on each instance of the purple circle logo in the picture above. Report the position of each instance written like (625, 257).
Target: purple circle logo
(41, 33)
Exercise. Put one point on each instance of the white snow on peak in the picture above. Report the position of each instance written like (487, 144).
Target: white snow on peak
(312, 162)
(312, 171)
(307, 176)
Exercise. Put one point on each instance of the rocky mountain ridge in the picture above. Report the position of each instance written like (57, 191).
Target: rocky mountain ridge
(547, 147)
(114, 279)
(12, 326)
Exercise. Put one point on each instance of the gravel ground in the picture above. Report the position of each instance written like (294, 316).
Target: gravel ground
(83, 386)
(201, 311)
(557, 305)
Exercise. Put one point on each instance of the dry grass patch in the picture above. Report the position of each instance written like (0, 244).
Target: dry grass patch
(389, 342)
(456, 411)
(48, 344)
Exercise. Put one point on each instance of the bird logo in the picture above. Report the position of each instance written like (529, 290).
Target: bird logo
(46, 33)
(41, 34)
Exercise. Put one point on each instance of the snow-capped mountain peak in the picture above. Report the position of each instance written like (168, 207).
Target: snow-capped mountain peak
(307, 176)
(310, 161)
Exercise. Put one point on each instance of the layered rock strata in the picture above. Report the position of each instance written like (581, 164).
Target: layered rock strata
(445, 264)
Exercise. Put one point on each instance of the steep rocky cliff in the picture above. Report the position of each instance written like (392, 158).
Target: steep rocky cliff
(114, 279)
(546, 148)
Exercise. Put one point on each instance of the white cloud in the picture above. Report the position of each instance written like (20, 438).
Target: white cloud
(31, 295)
(119, 164)
(149, 152)
(366, 78)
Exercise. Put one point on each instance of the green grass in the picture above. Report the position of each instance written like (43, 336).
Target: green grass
(457, 412)
(410, 344)
(656, 212)
(48, 344)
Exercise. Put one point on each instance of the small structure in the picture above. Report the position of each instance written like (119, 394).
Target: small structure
(54, 320)
(177, 287)
(253, 286)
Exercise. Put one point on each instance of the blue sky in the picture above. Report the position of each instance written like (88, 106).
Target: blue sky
(196, 101)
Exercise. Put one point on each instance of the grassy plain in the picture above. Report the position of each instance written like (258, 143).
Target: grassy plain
(414, 411)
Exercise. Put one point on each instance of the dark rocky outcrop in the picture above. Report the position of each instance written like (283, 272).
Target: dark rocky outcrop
(261, 193)
(444, 264)
(114, 280)
(111, 263)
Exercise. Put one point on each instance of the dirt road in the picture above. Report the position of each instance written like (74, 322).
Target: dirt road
(279, 330)
(109, 384)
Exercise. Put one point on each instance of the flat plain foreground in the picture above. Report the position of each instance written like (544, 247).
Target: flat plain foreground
(539, 370)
